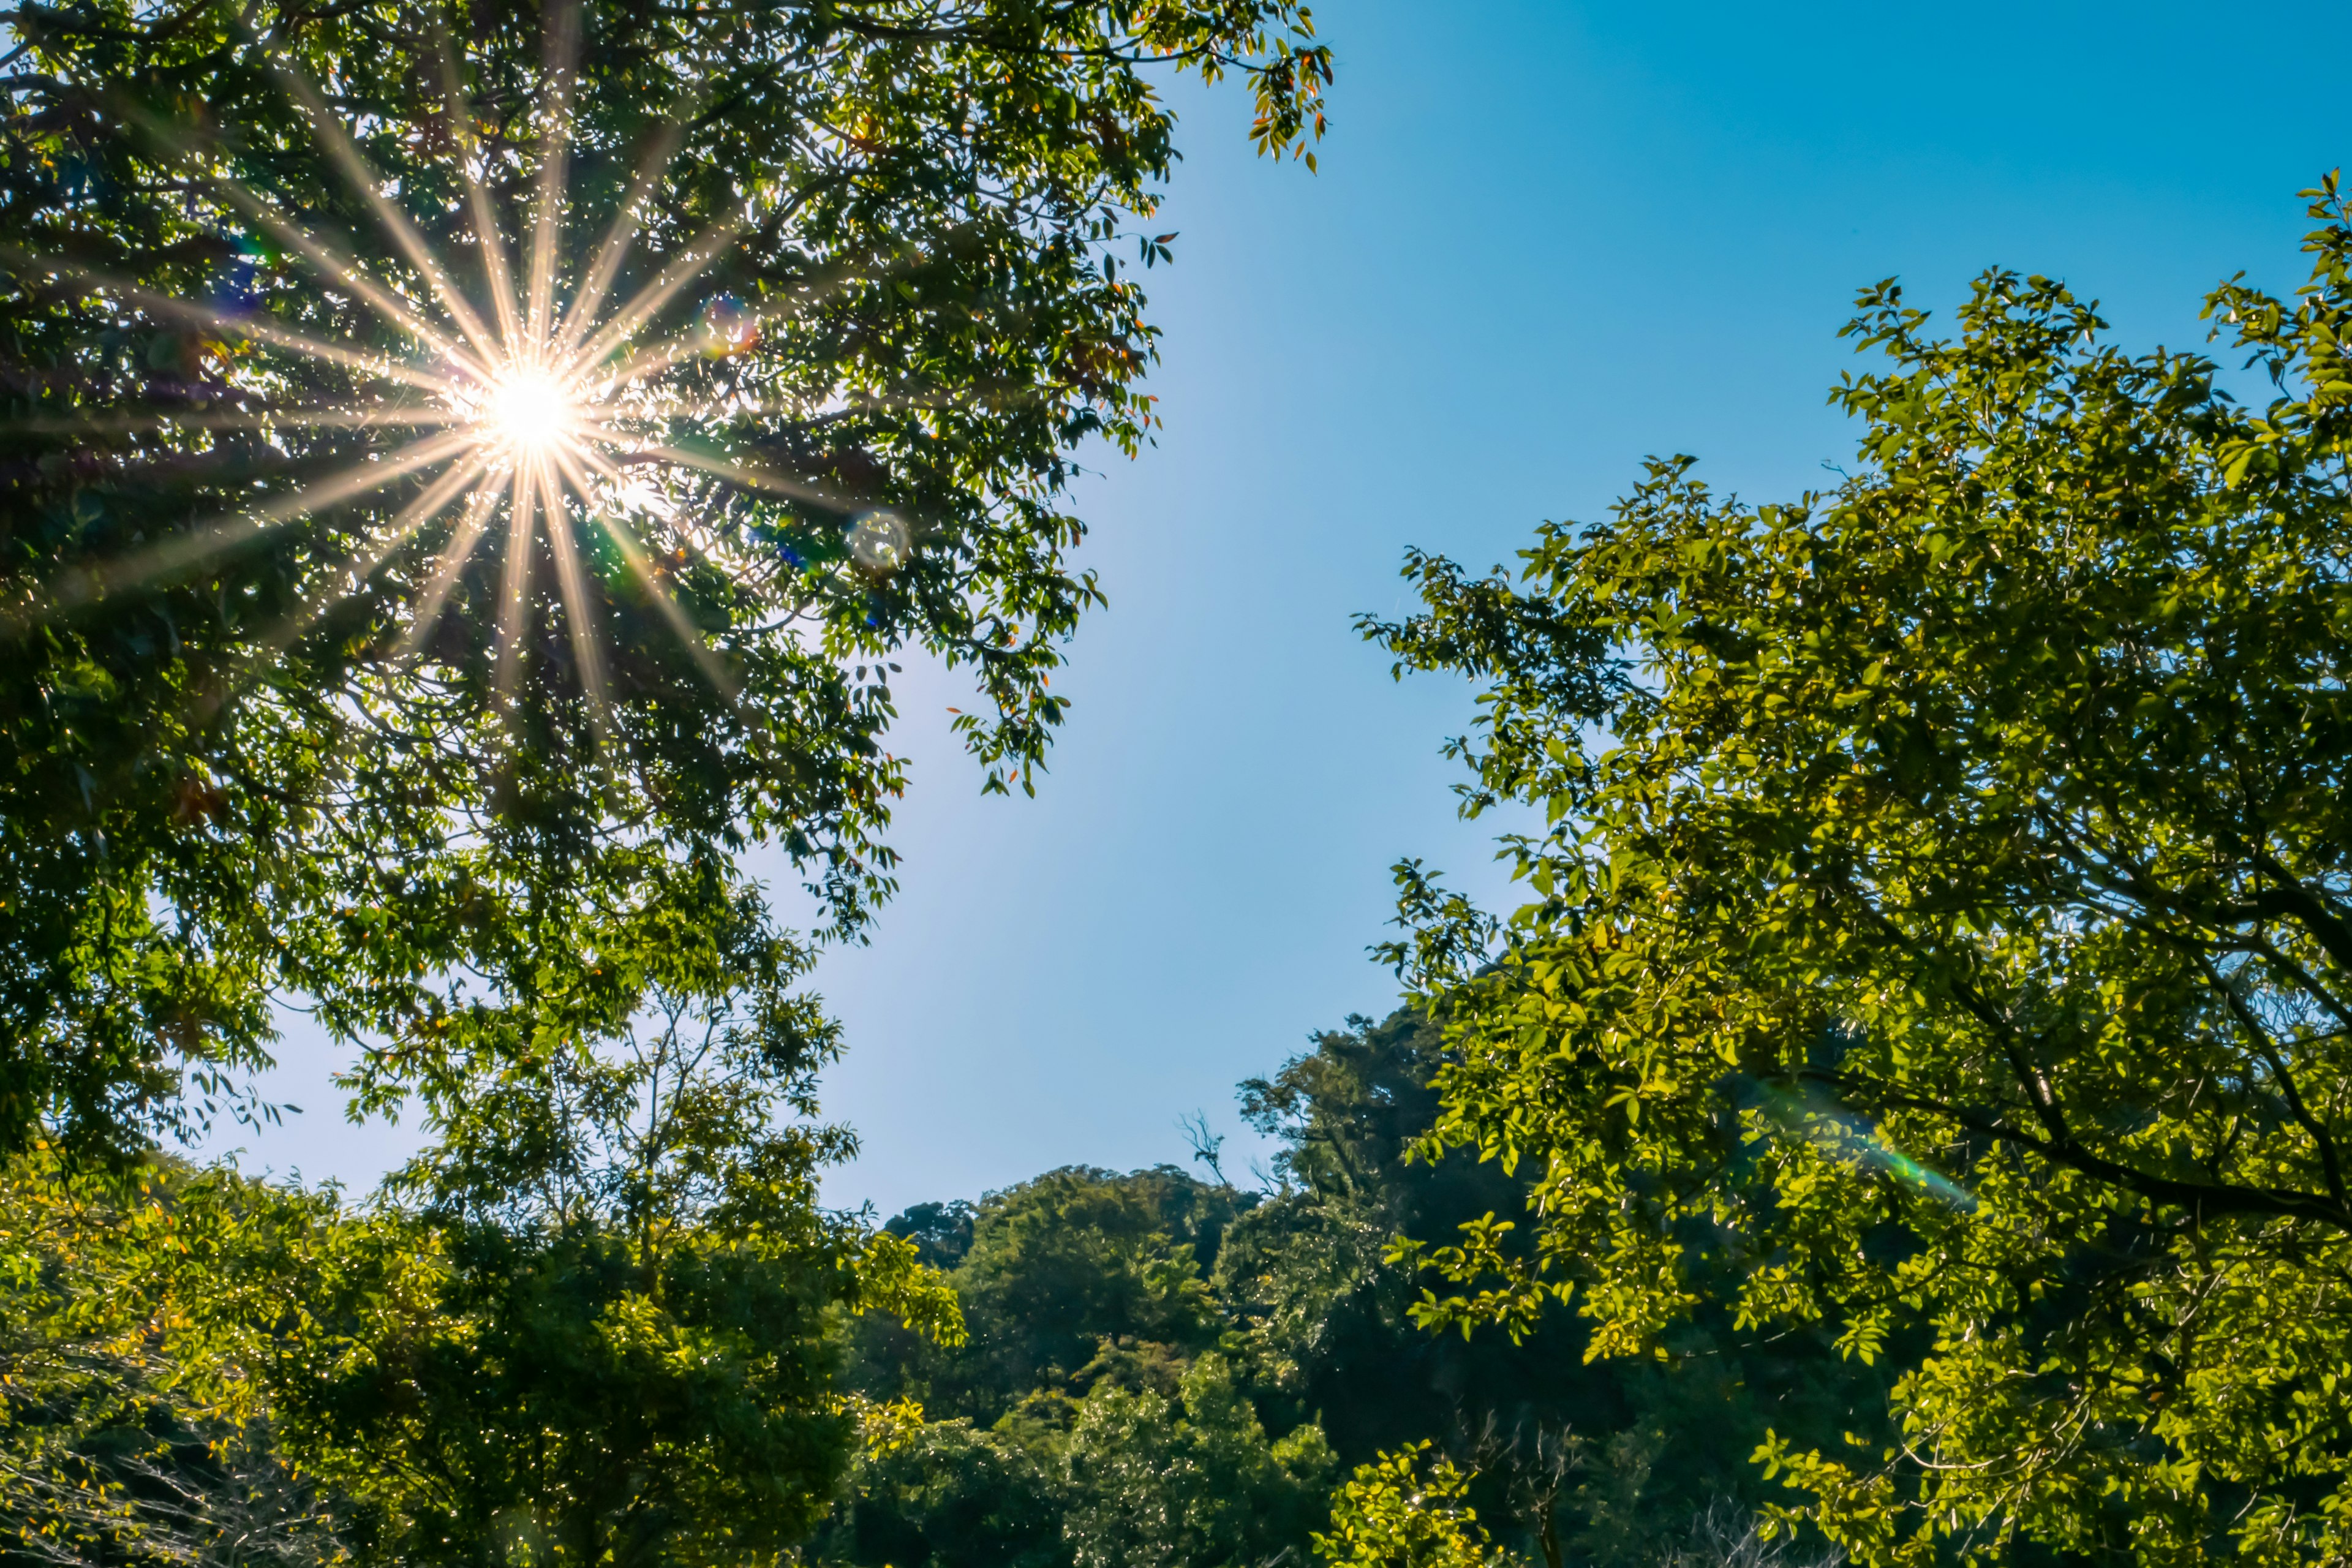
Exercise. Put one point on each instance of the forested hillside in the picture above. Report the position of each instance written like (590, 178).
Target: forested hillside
(1163, 1369)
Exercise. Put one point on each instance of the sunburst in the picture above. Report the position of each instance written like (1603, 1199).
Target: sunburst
(539, 412)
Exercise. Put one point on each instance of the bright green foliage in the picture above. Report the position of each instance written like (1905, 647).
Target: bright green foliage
(593, 1324)
(208, 796)
(1192, 1480)
(1063, 1262)
(1092, 1419)
(1048, 1275)
(1299, 1338)
(1407, 1509)
(596, 1322)
(116, 1447)
(1604, 1463)
(1307, 1271)
(1171, 1467)
(1941, 935)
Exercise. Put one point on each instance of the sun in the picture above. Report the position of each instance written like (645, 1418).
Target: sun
(529, 411)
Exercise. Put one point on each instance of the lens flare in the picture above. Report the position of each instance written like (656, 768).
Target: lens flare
(880, 542)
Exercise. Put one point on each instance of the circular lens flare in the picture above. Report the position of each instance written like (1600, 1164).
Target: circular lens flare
(531, 409)
(880, 542)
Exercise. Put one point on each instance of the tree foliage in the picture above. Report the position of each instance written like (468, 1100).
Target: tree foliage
(1096, 1415)
(1944, 912)
(1147, 1346)
(596, 1321)
(1407, 1509)
(225, 779)
(1568, 1459)
(116, 1447)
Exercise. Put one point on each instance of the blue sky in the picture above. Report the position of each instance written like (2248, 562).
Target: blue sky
(1547, 240)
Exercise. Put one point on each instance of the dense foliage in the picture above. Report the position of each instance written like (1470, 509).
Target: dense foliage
(596, 1322)
(224, 777)
(1151, 1367)
(1941, 939)
(262, 739)
(1152, 1347)
(1914, 1102)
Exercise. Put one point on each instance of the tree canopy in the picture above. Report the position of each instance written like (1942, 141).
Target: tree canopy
(275, 726)
(1149, 1347)
(1943, 919)
(751, 346)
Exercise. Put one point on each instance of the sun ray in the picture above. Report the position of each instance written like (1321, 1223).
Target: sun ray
(258, 328)
(457, 118)
(641, 567)
(292, 418)
(430, 503)
(332, 266)
(331, 135)
(207, 543)
(514, 582)
(338, 270)
(533, 399)
(355, 575)
(751, 478)
(706, 248)
(463, 540)
(1012, 395)
(691, 344)
(619, 237)
(563, 45)
(587, 653)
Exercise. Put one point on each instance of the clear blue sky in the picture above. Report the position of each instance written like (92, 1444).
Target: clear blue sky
(1546, 239)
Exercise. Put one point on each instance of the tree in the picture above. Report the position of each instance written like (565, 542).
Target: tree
(1307, 1270)
(596, 1321)
(1173, 1467)
(1163, 1482)
(1077, 1257)
(1109, 1378)
(955, 1495)
(1047, 1274)
(1090, 1417)
(1942, 919)
(355, 758)
(1408, 1509)
(1613, 1463)
(115, 1451)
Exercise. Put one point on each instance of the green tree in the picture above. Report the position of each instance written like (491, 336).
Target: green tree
(242, 759)
(1092, 1416)
(1408, 1509)
(1103, 1356)
(1052, 1276)
(116, 1450)
(1190, 1481)
(1075, 1256)
(1943, 913)
(956, 1495)
(1613, 1462)
(1172, 1466)
(595, 1321)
